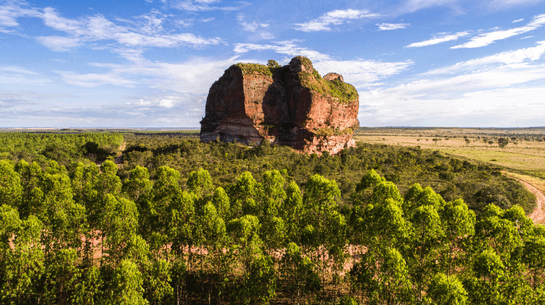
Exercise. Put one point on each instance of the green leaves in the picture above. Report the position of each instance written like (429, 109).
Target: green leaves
(444, 290)
(11, 189)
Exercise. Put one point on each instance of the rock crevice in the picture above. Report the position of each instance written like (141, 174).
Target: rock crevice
(289, 105)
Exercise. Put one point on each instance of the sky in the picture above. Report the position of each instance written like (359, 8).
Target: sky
(150, 63)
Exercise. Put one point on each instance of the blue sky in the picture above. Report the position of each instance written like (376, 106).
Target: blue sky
(150, 63)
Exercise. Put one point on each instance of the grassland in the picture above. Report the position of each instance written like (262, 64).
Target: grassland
(524, 154)
(522, 158)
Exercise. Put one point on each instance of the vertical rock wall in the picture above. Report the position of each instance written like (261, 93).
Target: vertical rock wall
(290, 105)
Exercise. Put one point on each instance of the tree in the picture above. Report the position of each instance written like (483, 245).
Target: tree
(300, 273)
(502, 142)
(89, 290)
(62, 274)
(445, 290)
(271, 63)
(200, 182)
(382, 276)
(484, 288)
(459, 226)
(22, 265)
(157, 288)
(11, 190)
(126, 286)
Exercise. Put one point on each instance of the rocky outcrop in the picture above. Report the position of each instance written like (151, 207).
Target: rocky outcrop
(290, 105)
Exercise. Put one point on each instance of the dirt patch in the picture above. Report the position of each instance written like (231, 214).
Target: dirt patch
(538, 215)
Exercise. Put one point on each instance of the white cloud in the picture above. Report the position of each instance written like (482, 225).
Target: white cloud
(438, 39)
(146, 31)
(506, 58)
(391, 26)
(95, 79)
(503, 4)
(167, 103)
(18, 70)
(193, 76)
(362, 73)
(200, 5)
(289, 48)
(518, 20)
(502, 107)
(491, 37)
(59, 43)
(336, 17)
(493, 91)
(11, 10)
(19, 76)
(255, 27)
(415, 5)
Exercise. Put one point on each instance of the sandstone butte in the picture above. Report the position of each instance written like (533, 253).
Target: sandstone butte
(287, 105)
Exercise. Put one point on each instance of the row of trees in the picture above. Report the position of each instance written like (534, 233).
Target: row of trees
(477, 184)
(86, 236)
(63, 148)
(452, 178)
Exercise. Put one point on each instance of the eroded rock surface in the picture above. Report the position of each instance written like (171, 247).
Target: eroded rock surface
(290, 105)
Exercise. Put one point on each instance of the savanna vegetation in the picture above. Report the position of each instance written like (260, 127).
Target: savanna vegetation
(182, 222)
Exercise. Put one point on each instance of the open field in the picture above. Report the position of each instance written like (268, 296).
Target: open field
(525, 152)
(523, 158)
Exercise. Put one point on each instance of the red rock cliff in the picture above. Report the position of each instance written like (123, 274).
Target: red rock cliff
(290, 105)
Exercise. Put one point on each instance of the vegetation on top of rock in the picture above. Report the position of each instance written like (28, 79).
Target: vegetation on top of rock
(273, 63)
(339, 90)
(310, 78)
(248, 68)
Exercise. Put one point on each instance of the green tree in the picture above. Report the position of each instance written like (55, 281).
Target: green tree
(22, 265)
(445, 290)
(382, 276)
(62, 274)
(300, 273)
(11, 191)
(126, 285)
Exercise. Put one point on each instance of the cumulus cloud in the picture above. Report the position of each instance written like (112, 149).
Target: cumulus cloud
(336, 17)
(442, 37)
(486, 39)
(392, 26)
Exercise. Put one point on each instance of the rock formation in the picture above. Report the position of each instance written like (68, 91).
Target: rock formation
(290, 105)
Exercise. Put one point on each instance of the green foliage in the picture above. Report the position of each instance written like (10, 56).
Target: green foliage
(126, 286)
(248, 68)
(339, 90)
(446, 290)
(222, 223)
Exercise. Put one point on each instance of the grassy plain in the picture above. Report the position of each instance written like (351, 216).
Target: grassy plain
(524, 155)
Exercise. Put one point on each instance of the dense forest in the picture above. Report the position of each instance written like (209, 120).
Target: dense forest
(182, 222)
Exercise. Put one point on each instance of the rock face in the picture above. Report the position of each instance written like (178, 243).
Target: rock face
(290, 105)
